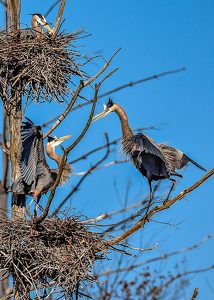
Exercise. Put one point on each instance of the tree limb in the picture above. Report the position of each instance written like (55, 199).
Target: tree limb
(164, 256)
(195, 294)
(50, 9)
(80, 87)
(81, 180)
(157, 209)
(59, 16)
(38, 220)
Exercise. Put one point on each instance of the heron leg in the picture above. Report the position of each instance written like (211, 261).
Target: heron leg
(37, 205)
(36, 194)
(173, 184)
(151, 197)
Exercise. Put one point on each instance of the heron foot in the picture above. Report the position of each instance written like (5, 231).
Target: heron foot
(165, 202)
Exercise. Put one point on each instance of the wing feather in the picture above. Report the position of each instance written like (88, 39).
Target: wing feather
(176, 159)
(143, 143)
(32, 143)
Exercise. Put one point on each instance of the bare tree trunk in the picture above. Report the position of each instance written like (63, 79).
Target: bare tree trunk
(15, 120)
(4, 184)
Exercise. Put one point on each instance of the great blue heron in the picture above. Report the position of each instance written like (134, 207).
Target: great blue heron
(36, 177)
(151, 160)
(37, 21)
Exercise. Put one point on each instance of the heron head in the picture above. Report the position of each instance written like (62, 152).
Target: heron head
(54, 141)
(40, 19)
(108, 108)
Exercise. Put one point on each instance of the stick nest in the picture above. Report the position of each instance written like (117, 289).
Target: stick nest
(57, 259)
(39, 69)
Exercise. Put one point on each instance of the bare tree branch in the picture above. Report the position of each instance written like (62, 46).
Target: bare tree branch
(184, 274)
(164, 256)
(122, 87)
(157, 209)
(66, 152)
(81, 180)
(195, 294)
(140, 81)
(3, 2)
(59, 16)
(74, 98)
(50, 9)
(38, 220)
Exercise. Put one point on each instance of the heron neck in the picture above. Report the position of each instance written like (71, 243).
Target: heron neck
(51, 153)
(126, 129)
(39, 31)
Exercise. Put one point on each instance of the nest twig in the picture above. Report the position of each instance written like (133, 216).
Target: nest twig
(41, 68)
(57, 259)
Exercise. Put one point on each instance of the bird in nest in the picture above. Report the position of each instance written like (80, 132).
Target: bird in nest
(38, 21)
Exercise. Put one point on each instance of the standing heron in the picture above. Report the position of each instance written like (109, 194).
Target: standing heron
(36, 177)
(37, 21)
(151, 160)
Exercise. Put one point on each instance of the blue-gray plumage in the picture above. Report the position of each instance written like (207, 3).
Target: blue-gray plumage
(153, 161)
(36, 177)
(37, 21)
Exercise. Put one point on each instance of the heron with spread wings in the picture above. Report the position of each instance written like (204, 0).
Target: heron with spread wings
(36, 177)
(152, 160)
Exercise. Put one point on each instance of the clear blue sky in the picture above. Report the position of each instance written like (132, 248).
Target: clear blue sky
(155, 36)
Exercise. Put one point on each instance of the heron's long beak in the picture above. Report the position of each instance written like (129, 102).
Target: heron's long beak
(101, 115)
(48, 28)
(60, 140)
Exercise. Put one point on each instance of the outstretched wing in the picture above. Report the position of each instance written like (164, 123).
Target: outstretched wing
(32, 150)
(176, 159)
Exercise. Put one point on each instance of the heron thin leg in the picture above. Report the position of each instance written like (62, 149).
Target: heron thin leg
(37, 205)
(173, 184)
(36, 193)
(151, 197)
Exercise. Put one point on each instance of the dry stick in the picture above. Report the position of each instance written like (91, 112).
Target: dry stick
(50, 9)
(122, 87)
(157, 209)
(81, 180)
(66, 152)
(78, 140)
(64, 158)
(184, 274)
(59, 16)
(4, 3)
(80, 87)
(195, 294)
(84, 156)
(164, 256)
(142, 80)
(64, 114)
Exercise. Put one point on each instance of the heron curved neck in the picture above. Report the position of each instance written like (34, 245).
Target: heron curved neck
(51, 153)
(39, 31)
(127, 133)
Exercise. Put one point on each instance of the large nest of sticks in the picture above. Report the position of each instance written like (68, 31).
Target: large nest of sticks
(55, 259)
(39, 69)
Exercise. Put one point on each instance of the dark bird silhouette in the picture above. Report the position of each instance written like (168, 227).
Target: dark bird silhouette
(36, 177)
(37, 21)
(151, 160)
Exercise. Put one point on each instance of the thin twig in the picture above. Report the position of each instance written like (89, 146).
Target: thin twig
(164, 256)
(59, 16)
(157, 209)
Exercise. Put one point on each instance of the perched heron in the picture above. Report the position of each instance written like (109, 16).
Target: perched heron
(36, 177)
(151, 160)
(37, 21)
